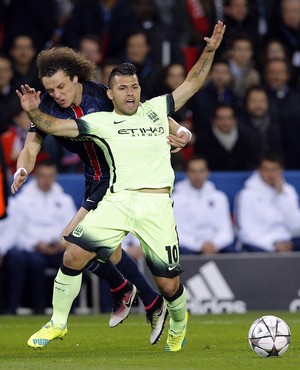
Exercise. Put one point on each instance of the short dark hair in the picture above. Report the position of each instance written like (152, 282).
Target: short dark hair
(271, 157)
(257, 88)
(196, 157)
(221, 106)
(45, 162)
(124, 69)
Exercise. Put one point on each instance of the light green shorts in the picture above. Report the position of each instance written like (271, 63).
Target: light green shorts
(149, 216)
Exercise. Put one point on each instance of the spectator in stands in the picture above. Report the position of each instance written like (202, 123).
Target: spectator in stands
(172, 77)
(111, 20)
(240, 58)
(239, 21)
(217, 91)
(3, 189)
(203, 217)
(22, 53)
(274, 49)
(3, 214)
(9, 103)
(14, 138)
(228, 145)
(137, 52)
(174, 14)
(260, 118)
(37, 19)
(163, 40)
(90, 48)
(107, 66)
(284, 99)
(202, 15)
(36, 218)
(267, 209)
(289, 30)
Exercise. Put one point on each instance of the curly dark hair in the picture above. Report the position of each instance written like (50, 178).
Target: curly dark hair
(65, 59)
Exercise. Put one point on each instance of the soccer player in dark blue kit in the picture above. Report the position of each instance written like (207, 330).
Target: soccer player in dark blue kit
(70, 93)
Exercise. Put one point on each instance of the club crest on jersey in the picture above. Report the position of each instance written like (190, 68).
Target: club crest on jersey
(152, 115)
(91, 110)
(78, 231)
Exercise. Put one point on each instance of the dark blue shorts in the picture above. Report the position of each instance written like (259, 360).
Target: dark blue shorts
(94, 193)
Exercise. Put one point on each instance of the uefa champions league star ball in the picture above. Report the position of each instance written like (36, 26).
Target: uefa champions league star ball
(269, 336)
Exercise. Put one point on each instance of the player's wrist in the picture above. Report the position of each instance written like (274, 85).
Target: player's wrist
(19, 171)
(184, 129)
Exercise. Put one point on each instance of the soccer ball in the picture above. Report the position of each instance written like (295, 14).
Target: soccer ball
(269, 336)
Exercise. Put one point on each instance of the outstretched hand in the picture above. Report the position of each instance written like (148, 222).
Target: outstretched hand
(29, 98)
(214, 41)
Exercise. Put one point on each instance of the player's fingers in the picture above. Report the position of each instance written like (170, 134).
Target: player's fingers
(19, 94)
(23, 89)
(13, 188)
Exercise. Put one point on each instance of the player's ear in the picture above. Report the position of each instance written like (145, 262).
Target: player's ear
(109, 94)
(75, 80)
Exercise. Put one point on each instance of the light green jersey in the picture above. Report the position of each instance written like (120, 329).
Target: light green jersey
(135, 147)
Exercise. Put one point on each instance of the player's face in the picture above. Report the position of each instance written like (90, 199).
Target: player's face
(225, 120)
(277, 74)
(62, 89)
(257, 104)
(197, 172)
(45, 177)
(125, 94)
(271, 172)
(220, 75)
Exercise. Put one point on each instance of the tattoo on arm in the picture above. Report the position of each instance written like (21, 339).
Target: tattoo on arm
(201, 70)
(39, 121)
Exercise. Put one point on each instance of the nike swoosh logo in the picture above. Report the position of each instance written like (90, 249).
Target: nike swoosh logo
(117, 122)
(57, 282)
(170, 268)
(90, 200)
(128, 302)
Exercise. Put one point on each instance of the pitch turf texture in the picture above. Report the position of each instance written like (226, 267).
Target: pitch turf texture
(213, 342)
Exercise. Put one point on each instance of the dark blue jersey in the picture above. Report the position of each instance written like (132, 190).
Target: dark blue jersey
(94, 99)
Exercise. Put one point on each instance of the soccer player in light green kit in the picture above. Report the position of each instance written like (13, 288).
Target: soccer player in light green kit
(136, 143)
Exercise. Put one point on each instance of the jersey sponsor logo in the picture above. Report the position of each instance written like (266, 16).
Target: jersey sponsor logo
(117, 122)
(142, 131)
(171, 268)
(209, 292)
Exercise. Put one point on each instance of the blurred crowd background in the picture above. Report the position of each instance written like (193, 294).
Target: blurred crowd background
(255, 73)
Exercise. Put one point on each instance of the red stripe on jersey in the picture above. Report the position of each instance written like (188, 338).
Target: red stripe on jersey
(77, 110)
(90, 148)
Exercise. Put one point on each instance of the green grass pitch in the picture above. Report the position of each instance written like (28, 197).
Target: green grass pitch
(213, 342)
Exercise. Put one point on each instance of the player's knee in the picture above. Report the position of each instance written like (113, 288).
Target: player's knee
(75, 257)
(170, 287)
(63, 242)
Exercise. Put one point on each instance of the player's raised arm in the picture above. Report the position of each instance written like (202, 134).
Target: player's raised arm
(198, 74)
(54, 126)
